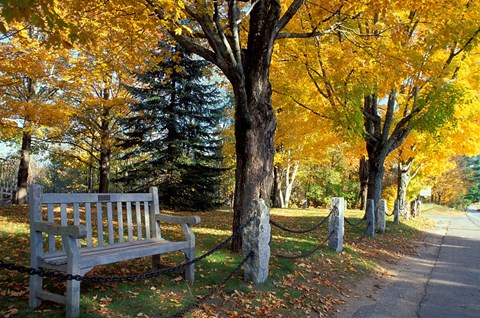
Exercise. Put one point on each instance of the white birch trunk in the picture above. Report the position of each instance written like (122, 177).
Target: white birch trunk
(289, 179)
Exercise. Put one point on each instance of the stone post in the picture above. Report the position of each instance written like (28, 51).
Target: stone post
(256, 236)
(370, 218)
(413, 208)
(396, 211)
(335, 224)
(382, 214)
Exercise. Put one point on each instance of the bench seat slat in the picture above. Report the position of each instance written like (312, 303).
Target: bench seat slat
(90, 257)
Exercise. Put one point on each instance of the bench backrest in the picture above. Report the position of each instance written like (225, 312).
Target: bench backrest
(109, 218)
(6, 191)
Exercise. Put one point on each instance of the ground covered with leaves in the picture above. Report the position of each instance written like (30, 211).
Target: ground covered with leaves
(306, 287)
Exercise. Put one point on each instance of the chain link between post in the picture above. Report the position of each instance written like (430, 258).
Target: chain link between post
(59, 276)
(301, 231)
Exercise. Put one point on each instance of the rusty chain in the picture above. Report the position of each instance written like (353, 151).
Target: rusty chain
(197, 302)
(301, 231)
(60, 276)
(305, 254)
(352, 223)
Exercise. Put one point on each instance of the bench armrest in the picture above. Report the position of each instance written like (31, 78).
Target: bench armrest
(75, 231)
(177, 219)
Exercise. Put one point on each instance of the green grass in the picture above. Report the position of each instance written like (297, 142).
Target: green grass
(430, 208)
(302, 287)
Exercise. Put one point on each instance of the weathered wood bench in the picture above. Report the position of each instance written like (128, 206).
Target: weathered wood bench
(73, 233)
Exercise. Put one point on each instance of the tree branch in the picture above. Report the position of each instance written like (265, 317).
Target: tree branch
(416, 170)
(389, 115)
(302, 105)
(287, 16)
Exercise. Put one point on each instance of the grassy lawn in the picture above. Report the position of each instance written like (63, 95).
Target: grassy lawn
(430, 208)
(304, 287)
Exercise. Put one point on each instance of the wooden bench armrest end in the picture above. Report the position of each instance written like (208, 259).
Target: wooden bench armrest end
(177, 219)
(75, 231)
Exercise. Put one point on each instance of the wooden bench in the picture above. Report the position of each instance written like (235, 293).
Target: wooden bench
(73, 233)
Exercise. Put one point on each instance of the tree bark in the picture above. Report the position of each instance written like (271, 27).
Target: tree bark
(289, 179)
(255, 125)
(381, 140)
(363, 176)
(402, 184)
(105, 147)
(90, 168)
(24, 167)
(405, 175)
(277, 187)
(375, 179)
(403, 179)
(105, 155)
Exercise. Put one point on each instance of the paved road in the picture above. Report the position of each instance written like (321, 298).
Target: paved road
(453, 289)
(443, 281)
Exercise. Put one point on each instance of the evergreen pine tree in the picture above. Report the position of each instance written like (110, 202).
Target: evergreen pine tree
(472, 169)
(174, 134)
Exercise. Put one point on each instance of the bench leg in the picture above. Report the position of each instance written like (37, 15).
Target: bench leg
(156, 262)
(35, 287)
(73, 298)
(190, 270)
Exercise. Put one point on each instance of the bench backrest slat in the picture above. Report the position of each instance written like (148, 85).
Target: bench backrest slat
(58, 198)
(129, 221)
(88, 223)
(76, 213)
(63, 214)
(110, 222)
(121, 237)
(139, 219)
(51, 238)
(76, 217)
(63, 218)
(108, 217)
(99, 211)
(147, 220)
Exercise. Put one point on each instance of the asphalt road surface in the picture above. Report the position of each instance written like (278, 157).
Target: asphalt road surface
(443, 281)
(453, 289)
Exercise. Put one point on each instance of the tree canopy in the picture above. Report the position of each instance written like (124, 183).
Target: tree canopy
(387, 80)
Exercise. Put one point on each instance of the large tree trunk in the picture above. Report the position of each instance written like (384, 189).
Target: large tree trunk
(363, 176)
(90, 168)
(247, 69)
(105, 155)
(375, 179)
(105, 147)
(23, 170)
(289, 179)
(403, 180)
(277, 187)
(380, 142)
(404, 177)
(402, 185)
(255, 121)
(255, 125)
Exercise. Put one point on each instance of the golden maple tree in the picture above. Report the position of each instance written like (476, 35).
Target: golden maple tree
(406, 67)
(34, 91)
